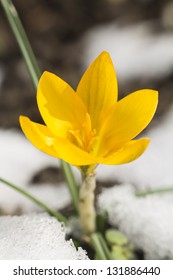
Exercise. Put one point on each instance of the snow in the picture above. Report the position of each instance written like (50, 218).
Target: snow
(135, 50)
(36, 237)
(12, 202)
(147, 221)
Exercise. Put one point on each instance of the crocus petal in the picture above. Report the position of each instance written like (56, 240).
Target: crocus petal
(131, 151)
(127, 119)
(39, 135)
(60, 107)
(98, 87)
(72, 154)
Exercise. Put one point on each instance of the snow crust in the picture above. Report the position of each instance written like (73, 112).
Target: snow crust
(36, 237)
(147, 221)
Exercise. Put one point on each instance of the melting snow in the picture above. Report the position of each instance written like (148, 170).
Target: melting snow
(35, 237)
(146, 221)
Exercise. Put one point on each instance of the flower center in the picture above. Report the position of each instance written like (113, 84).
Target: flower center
(85, 136)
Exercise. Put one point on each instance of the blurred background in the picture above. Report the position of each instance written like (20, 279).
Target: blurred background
(67, 35)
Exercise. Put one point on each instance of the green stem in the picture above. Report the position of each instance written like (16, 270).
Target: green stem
(35, 74)
(52, 212)
(104, 246)
(139, 194)
(74, 190)
(95, 242)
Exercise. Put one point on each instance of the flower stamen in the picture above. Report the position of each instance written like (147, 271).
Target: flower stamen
(84, 137)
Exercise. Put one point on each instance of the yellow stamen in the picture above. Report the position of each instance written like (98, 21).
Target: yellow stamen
(85, 136)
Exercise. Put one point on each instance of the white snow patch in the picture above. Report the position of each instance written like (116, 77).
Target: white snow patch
(146, 221)
(135, 51)
(36, 237)
(13, 202)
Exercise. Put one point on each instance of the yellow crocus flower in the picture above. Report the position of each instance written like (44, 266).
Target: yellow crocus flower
(90, 126)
